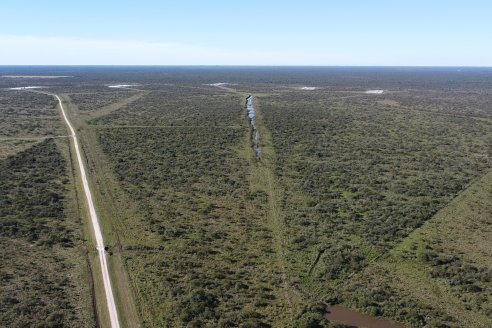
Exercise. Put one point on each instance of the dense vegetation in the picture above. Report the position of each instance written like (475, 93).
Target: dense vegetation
(32, 114)
(90, 101)
(379, 202)
(42, 266)
(358, 176)
(212, 266)
(179, 106)
(25, 119)
(367, 171)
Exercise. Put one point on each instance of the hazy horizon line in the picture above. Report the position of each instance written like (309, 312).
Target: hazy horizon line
(242, 65)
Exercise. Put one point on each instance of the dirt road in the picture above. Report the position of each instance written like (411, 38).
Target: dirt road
(113, 314)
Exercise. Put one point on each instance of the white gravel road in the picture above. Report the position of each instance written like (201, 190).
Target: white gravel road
(113, 314)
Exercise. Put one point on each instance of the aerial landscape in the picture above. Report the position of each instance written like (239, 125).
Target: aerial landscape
(243, 192)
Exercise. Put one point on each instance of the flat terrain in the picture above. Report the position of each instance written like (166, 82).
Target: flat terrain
(358, 177)
(26, 118)
(44, 272)
(379, 202)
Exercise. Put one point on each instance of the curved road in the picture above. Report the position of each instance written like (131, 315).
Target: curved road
(113, 314)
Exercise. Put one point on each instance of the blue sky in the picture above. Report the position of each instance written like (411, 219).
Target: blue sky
(350, 32)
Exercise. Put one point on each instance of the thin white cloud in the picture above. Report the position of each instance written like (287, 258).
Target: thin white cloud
(30, 50)
(55, 50)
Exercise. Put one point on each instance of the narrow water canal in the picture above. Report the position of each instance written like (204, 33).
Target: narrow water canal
(255, 135)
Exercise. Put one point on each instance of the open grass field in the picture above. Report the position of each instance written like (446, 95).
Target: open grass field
(378, 202)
